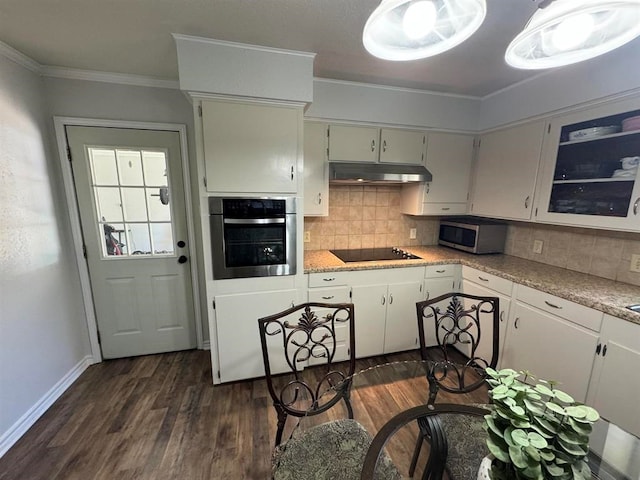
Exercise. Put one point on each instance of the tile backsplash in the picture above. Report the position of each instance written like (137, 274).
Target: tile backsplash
(597, 252)
(367, 217)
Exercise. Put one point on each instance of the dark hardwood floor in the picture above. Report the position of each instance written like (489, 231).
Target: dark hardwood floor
(160, 417)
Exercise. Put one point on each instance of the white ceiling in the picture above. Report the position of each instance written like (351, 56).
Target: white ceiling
(134, 37)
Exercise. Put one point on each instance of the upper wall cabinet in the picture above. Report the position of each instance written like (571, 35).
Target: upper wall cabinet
(349, 143)
(505, 173)
(589, 172)
(449, 158)
(251, 147)
(316, 170)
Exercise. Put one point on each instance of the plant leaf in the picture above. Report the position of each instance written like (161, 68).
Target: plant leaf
(497, 451)
(536, 440)
(520, 437)
(544, 390)
(554, 407)
(563, 397)
(517, 457)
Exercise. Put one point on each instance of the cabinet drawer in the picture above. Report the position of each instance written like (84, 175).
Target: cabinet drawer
(330, 295)
(328, 279)
(584, 316)
(488, 280)
(437, 271)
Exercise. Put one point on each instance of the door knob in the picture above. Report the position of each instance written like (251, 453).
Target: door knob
(182, 259)
(181, 244)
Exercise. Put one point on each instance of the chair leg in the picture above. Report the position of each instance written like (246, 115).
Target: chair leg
(416, 455)
(431, 428)
(347, 402)
(282, 419)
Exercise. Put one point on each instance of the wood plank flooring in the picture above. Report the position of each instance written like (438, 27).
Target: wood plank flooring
(160, 417)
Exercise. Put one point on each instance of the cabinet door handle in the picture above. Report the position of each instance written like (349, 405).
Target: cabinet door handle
(552, 305)
(502, 316)
(526, 201)
(373, 145)
(390, 299)
(483, 279)
(440, 271)
(291, 173)
(515, 324)
(428, 187)
(635, 206)
(604, 350)
(428, 295)
(384, 299)
(598, 348)
(319, 198)
(384, 146)
(445, 208)
(329, 297)
(329, 279)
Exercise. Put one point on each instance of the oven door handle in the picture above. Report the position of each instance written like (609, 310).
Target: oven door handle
(253, 221)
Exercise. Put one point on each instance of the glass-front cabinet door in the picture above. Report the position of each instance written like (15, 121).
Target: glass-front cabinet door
(590, 168)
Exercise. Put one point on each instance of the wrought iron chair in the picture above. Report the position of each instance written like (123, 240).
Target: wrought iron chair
(457, 369)
(301, 336)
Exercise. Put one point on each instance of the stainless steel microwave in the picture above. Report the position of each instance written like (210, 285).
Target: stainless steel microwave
(473, 235)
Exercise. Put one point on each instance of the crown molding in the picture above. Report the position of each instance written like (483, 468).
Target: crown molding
(20, 58)
(108, 77)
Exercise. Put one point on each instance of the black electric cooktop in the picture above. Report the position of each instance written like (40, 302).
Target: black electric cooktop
(373, 254)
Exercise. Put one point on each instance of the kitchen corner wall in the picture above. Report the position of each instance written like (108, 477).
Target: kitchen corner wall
(602, 253)
(367, 217)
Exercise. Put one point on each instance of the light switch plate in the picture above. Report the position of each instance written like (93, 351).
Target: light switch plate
(635, 263)
(537, 246)
(412, 233)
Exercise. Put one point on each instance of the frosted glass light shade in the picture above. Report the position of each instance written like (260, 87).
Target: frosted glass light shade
(570, 31)
(385, 37)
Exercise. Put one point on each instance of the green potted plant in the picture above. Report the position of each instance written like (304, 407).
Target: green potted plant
(536, 431)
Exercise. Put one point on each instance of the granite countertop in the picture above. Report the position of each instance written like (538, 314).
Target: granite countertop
(598, 293)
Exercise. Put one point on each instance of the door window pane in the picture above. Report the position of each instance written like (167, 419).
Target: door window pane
(103, 167)
(162, 238)
(155, 168)
(132, 200)
(134, 205)
(130, 168)
(108, 204)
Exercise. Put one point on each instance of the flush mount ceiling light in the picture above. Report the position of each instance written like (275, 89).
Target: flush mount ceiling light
(562, 32)
(413, 29)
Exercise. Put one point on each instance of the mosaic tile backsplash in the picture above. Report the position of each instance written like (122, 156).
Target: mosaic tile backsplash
(369, 216)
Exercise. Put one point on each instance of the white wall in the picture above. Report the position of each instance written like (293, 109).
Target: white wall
(43, 335)
(109, 101)
(337, 100)
(558, 89)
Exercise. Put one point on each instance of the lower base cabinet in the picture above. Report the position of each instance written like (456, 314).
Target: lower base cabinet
(239, 350)
(614, 389)
(551, 348)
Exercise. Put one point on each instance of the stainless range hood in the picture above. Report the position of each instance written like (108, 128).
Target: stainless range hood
(360, 173)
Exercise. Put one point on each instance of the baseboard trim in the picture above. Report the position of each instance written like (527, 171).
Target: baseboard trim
(11, 436)
(206, 345)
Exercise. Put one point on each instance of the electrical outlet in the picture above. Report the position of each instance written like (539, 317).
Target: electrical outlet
(307, 236)
(635, 263)
(413, 233)
(537, 246)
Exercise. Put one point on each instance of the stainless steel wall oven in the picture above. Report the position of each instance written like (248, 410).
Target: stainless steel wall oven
(252, 237)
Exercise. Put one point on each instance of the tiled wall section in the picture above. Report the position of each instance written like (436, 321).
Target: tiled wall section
(367, 217)
(597, 252)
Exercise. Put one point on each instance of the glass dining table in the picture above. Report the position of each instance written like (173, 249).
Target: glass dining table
(386, 400)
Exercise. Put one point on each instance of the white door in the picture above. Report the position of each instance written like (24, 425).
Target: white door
(129, 189)
(401, 328)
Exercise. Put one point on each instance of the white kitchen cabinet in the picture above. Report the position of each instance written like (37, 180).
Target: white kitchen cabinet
(449, 158)
(236, 317)
(401, 327)
(370, 302)
(550, 346)
(505, 173)
(350, 143)
(485, 347)
(614, 389)
(251, 147)
(316, 170)
(583, 180)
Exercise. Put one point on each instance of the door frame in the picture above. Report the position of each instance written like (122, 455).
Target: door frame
(74, 215)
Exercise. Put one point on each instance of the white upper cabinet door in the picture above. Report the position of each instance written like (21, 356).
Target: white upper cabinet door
(402, 146)
(251, 147)
(353, 144)
(589, 172)
(316, 170)
(506, 171)
(449, 158)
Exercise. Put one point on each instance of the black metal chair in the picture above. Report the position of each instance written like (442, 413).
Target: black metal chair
(457, 369)
(304, 335)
